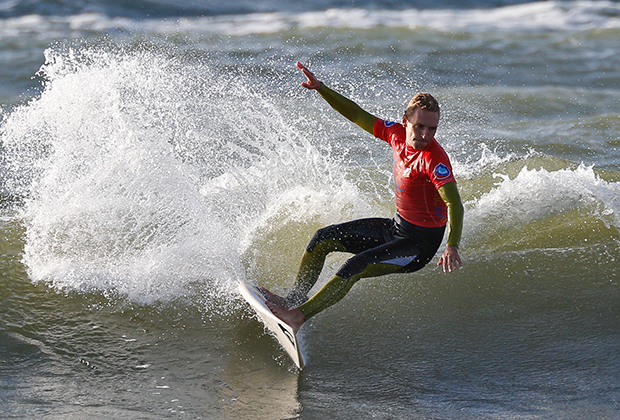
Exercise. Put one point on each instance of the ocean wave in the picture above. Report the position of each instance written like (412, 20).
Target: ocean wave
(542, 202)
(160, 178)
(538, 16)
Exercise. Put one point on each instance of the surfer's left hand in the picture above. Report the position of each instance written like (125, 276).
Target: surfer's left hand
(450, 259)
(313, 82)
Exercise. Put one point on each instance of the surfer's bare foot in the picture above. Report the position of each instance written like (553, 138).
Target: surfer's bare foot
(273, 298)
(293, 317)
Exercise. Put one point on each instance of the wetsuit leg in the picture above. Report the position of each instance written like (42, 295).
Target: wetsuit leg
(397, 256)
(354, 237)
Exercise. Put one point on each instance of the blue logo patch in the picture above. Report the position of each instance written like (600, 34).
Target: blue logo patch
(388, 123)
(442, 171)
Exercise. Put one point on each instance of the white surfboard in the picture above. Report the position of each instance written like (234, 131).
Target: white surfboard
(283, 332)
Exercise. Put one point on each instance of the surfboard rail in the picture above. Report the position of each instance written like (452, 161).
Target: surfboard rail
(282, 331)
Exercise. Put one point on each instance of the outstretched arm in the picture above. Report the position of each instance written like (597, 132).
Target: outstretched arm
(344, 106)
(450, 259)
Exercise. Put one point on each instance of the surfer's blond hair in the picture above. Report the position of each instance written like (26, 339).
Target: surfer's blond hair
(424, 101)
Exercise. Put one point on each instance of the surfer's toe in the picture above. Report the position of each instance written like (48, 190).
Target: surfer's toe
(273, 298)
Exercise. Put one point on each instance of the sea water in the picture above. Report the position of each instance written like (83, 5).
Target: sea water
(153, 155)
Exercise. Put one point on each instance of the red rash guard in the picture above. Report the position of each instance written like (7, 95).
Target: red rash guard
(417, 175)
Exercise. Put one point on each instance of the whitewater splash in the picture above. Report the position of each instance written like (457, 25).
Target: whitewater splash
(146, 175)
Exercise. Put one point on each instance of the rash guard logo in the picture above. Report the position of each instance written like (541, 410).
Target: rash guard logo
(388, 123)
(442, 171)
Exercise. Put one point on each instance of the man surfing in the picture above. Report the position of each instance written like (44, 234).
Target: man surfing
(427, 199)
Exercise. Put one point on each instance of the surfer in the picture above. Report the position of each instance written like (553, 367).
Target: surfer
(427, 199)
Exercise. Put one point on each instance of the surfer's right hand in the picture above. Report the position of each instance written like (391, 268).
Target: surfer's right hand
(313, 82)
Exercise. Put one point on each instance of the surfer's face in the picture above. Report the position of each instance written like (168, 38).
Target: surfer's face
(421, 128)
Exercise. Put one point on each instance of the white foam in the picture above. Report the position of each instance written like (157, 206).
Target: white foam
(536, 194)
(538, 16)
(110, 206)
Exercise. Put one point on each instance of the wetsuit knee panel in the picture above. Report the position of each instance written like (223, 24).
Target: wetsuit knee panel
(352, 267)
(329, 232)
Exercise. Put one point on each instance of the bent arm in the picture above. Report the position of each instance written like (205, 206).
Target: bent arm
(450, 195)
